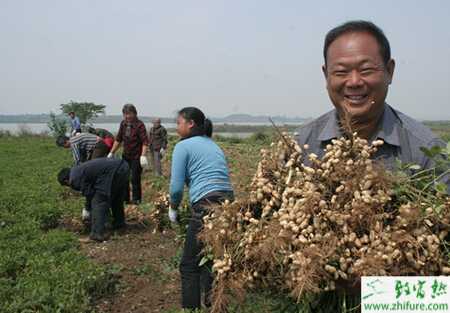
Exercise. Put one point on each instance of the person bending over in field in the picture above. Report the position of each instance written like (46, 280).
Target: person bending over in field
(198, 162)
(84, 147)
(107, 136)
(103, 182)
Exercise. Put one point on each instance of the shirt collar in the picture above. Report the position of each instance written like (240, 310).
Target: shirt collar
(388, 130)
(331, 129)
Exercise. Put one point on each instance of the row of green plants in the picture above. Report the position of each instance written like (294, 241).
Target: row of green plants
(41, 266)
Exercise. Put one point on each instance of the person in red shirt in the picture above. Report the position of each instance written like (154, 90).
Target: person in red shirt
(133, 135)
(107, 137)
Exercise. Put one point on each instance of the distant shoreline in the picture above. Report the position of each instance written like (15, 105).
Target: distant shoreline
(171, 127)
(240, 119)
(237, 119)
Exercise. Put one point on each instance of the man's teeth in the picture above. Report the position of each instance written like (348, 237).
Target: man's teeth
(356, 97)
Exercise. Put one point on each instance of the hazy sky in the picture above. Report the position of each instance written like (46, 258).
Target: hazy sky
(258, 57)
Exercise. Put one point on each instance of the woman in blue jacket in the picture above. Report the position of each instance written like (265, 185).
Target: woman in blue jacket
(199, 163)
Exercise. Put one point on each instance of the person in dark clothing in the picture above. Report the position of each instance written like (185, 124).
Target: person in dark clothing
(133, 135)
(157, 138)
(84, 146)
(102, 181)
(199, 163)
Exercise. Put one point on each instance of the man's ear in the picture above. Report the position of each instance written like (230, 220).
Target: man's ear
(325, 74)
(390, 67)
(324, 71)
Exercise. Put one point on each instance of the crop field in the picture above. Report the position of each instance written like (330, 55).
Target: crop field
(44, 268)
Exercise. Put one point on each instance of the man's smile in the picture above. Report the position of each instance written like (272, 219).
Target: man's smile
(356, 98)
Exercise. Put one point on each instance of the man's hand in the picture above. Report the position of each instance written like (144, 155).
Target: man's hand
(143, 161)
(110, 155)
(162, 151)
(173, 214)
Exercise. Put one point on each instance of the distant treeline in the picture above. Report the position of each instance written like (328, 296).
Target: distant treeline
(235, 118)
(233, 128)
(226, 125)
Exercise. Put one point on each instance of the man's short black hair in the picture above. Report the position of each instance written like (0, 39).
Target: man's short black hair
(359, 27)
(61, 141)
(64, 176)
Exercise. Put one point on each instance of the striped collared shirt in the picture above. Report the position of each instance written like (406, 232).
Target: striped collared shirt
(82, 147)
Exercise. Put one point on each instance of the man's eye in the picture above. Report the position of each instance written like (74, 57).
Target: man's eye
(367, 71)
(340, 73)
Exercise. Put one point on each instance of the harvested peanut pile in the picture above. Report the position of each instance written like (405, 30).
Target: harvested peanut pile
(134, 214)
(159, 215)
(310, 229)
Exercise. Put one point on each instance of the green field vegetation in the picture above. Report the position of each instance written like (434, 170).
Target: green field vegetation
(441, 128)
(41, 266)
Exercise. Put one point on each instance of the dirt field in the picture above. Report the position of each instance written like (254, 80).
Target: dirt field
(145, 260)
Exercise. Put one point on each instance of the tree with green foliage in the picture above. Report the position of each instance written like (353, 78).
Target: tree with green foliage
(58, 125)
(84, 110)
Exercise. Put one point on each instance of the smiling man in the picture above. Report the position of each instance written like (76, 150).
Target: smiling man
(359, 70)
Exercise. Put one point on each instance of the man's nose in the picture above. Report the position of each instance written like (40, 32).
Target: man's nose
(354, 79)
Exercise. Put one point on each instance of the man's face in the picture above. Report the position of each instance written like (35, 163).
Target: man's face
(71, 115)
(129, 117)
(357, 78)
(156, 123)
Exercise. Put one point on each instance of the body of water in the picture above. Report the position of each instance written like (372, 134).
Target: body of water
(37, 128)
(40, 128)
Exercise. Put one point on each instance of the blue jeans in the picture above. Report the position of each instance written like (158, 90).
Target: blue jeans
(196, 279)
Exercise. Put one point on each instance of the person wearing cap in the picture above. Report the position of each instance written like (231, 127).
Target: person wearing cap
(157, 138)
(74, 123)
(102, 181)
(358, 70)
(133, 135)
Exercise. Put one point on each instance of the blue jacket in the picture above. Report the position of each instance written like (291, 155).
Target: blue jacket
(75, 123)
(199, 163)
